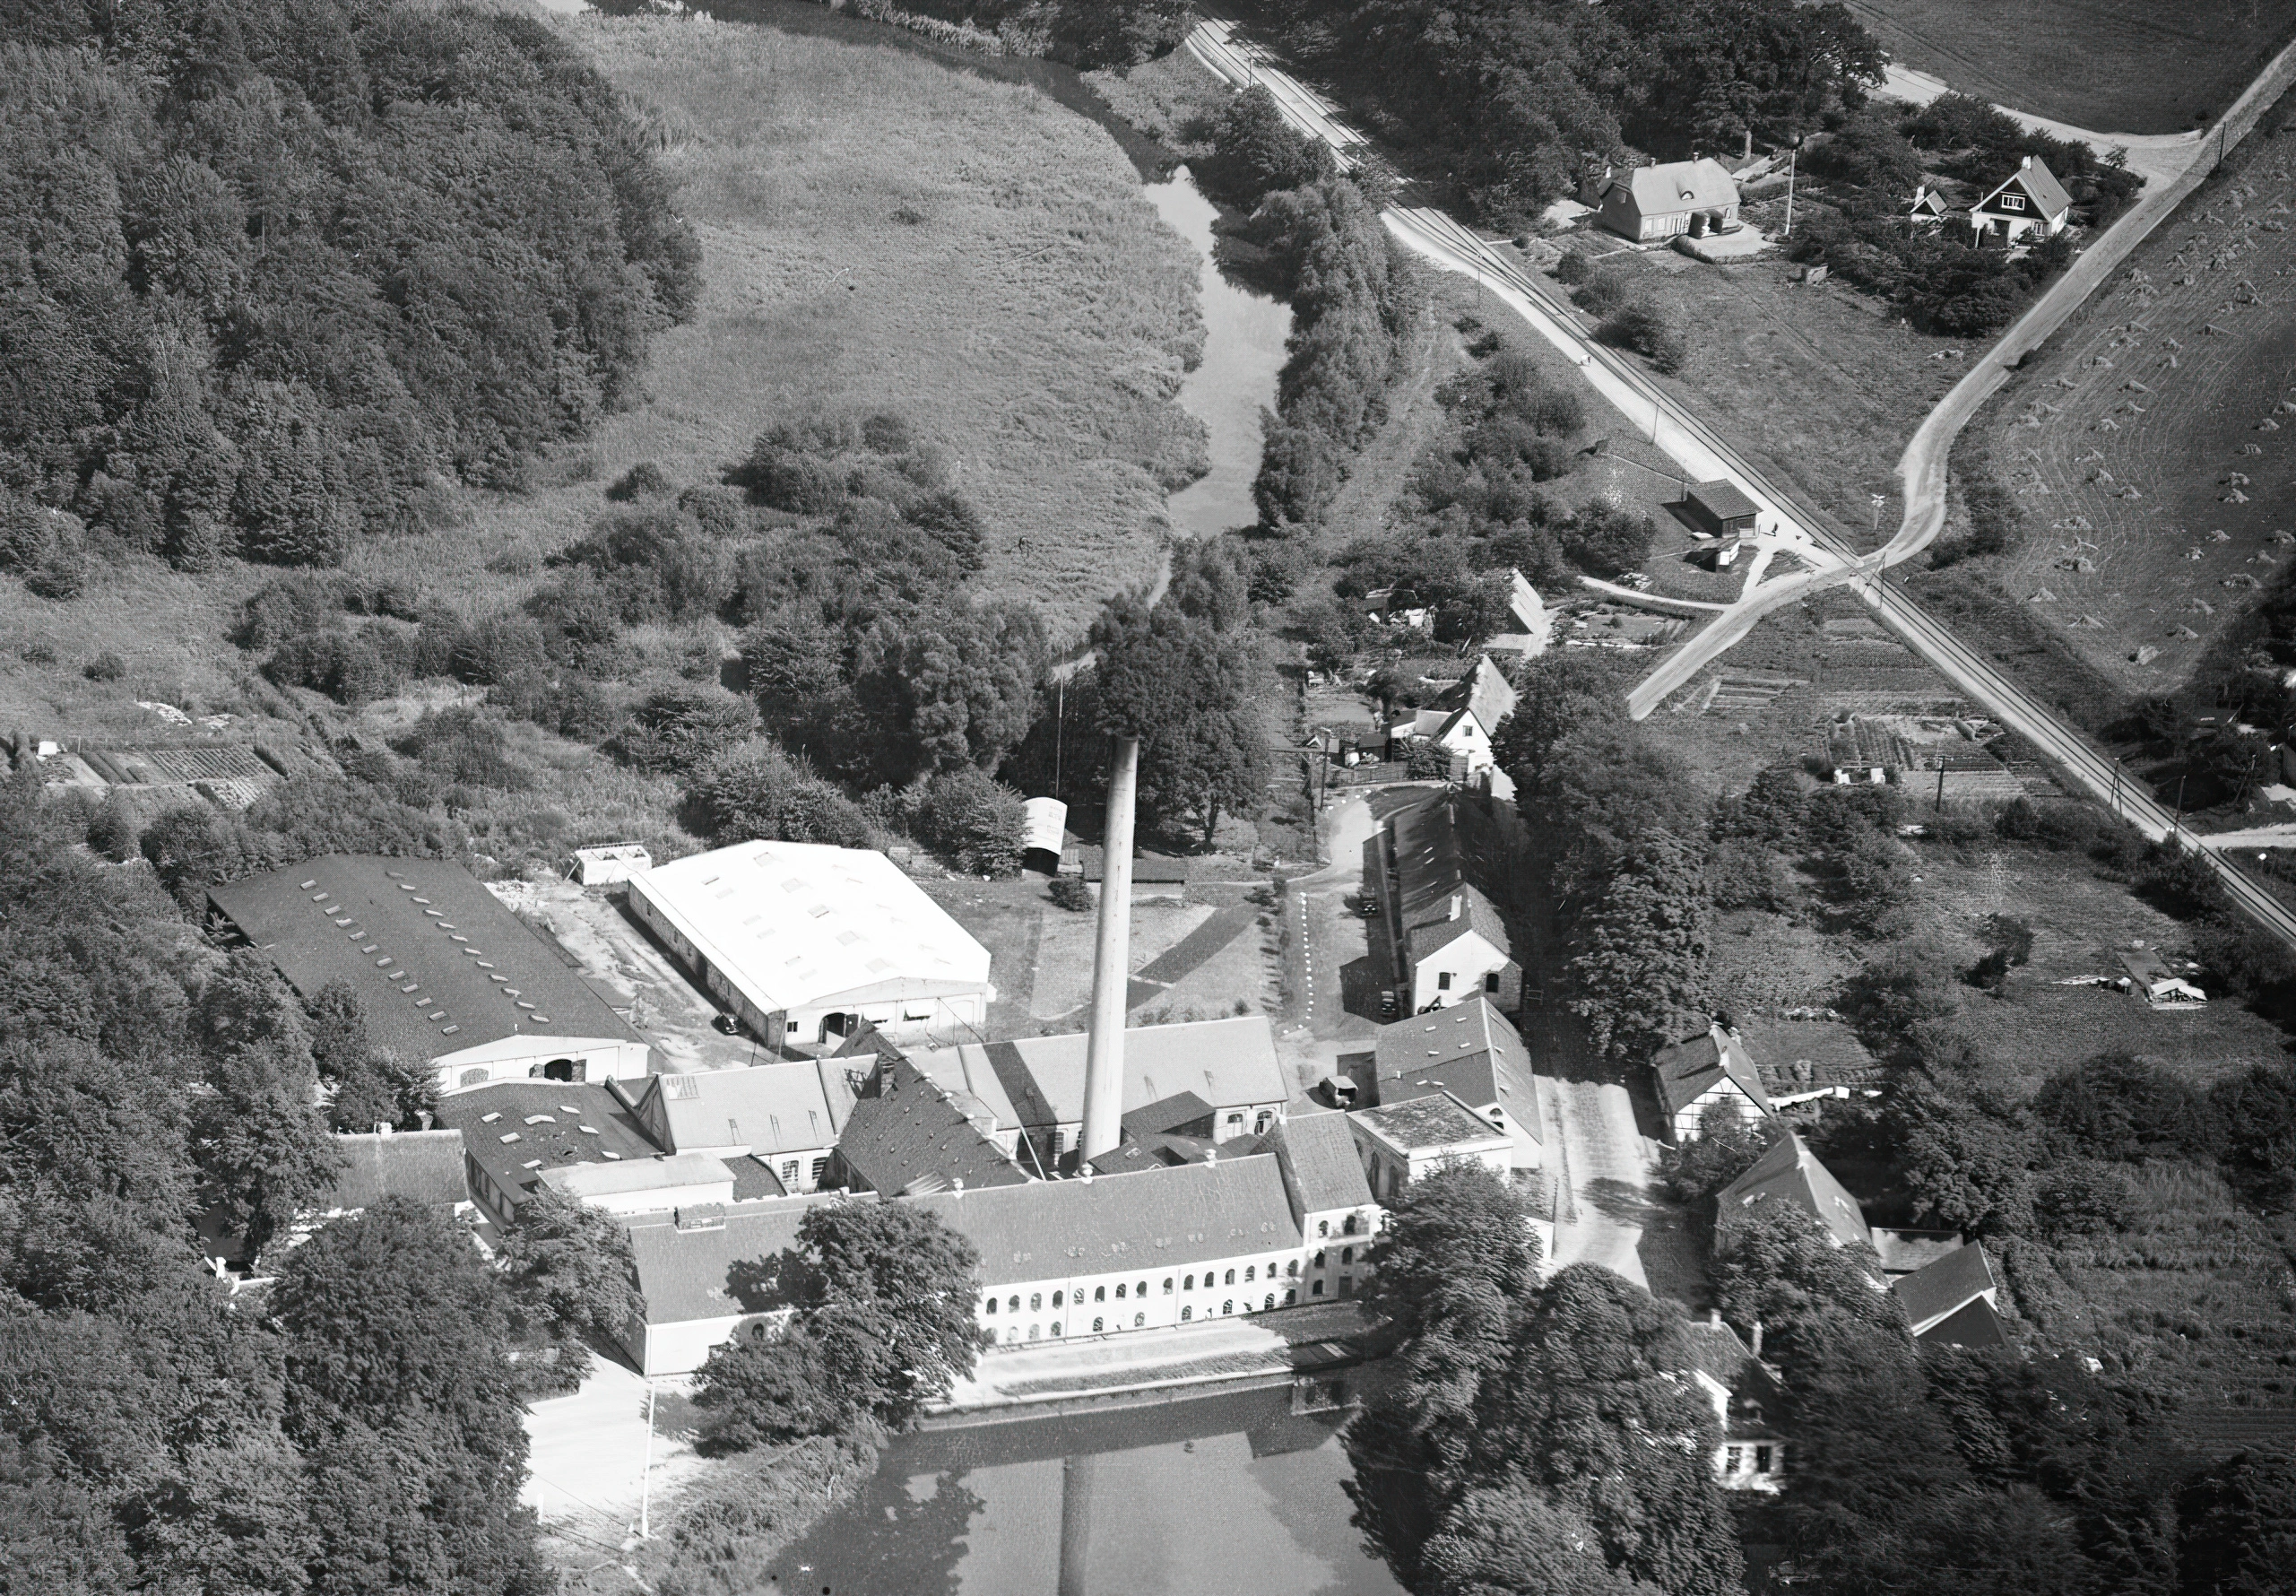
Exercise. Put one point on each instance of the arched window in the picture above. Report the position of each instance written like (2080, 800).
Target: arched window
(1056, 1327)
(1292, 1269)
(1096, 1327)
(1056, 1299)
(477, 1077)
(1349, 1227)
(1190, 1286)
(1187, 1314)
(1228, 1306)
(1319, 1260)
(1322, 1226)
(1249, 1270)
(1167, 1284)
(1012, 1334)
(1012, 1306)
(1346, 1255)
(993, 1304)
(1100, 1294)
(1120, 1291)
(1035, 1300)
(1316, 1290)
(1259, 1124)
(1035, 1332)
(1139, 1320)
(1291, 1296)
(1231, 1277)
(1140, 1289)
(1269, 1303)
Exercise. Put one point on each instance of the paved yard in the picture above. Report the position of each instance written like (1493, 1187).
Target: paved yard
(589, 1454)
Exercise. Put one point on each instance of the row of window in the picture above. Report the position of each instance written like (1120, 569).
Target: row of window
(1443, 981)
(789, 1171)
(1188, 1313)
(1347, 1226)
(1100, 1293)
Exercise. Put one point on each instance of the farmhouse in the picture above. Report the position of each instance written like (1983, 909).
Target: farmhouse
(444, 972)
(1648, 203)
(1704, 1071)
(805, 943)
(1472, 1052)
(1454, 941)
(784, 1117)
(1463, 721)
(1401, 1142)
(1954, 1301)
(1032, 1088)
(1789, 1171)
(2028, 201)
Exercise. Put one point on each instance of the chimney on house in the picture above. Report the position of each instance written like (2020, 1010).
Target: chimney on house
(1104, 1056)
(1212, 1154)
(1458, 903)
(1755, 1340)
(956, 1186)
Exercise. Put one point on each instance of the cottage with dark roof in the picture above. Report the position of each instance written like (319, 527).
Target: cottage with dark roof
(1749, 1402)
(1398, 1142)
(1789, 1171)
(908, 1135)
(1471, 1052)
(1108, 1255)
(1954, 1300)
(1453, 941)
(517, 1132)
(1720, 509)
(421, 1166)
(444, 973)
(1716, 1070)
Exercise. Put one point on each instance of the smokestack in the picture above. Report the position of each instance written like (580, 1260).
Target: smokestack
(1104, 1058)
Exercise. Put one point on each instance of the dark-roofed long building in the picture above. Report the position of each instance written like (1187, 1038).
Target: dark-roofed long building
(444, 973)
(516, 1132)
(1454, 942)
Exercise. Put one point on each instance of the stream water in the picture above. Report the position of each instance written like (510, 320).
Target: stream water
(1220, 1494)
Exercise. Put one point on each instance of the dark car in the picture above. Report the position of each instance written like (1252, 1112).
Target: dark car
(1388, 1007)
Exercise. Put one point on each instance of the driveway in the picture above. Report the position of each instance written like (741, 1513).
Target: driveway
(586, 1461)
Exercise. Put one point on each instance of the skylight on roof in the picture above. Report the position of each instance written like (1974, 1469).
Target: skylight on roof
(509, 1136)
(541, 1119)
(490, 1118)
(306, 886)
(532, 1164)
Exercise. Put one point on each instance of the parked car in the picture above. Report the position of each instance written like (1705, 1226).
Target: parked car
(1388, 1007)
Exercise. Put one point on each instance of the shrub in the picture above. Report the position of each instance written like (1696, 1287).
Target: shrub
(1603, 289)
(970, 820)
(1640, 327)
(1070, 892)
(106, 666)
(755, 790)
(677, 729)
(1255, 151)
(642, 481)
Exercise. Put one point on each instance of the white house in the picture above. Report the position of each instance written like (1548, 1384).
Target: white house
(1462, 722)
(1331, 1198)
(1651, 203)
(1751, 1456)
(1471, 1052)
(1401, 1142)
(704, 1274)
(1704, 1071)
(2028, 201)
(786, 1116)
(1454, 942)
(804, 943)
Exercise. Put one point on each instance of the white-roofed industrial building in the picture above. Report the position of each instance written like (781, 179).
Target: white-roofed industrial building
(803, 943)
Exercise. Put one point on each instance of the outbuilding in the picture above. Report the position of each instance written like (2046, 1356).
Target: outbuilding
(1719, 509)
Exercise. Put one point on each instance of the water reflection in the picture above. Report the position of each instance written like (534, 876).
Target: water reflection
(1243, 350)
(1222, 1494)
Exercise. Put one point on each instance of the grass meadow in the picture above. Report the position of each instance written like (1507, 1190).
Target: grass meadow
(2109, 65)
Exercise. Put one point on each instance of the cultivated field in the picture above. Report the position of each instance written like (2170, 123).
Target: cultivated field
(2150, 448)
(2112, 66)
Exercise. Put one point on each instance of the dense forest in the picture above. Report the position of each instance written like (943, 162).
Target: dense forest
(1514, 97)
(278, 271)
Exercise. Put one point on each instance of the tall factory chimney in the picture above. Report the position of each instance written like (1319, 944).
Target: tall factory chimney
(1104, 1058)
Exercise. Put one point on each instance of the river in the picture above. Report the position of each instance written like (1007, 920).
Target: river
(1220, 1494)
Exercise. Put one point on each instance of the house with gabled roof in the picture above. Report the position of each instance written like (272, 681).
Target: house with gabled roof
(1749, 1402)
(1463, 721)
(1929, 206)
(2029, 201)
(784, 1115)
(1470, 1051)
(1954, 1301)
(1652, 203)
(1454, 942)
(706, 1276)
(909, 1134)
(516, 1134)
(1330, 1196)
(1716, 1069)
(1789, 1171)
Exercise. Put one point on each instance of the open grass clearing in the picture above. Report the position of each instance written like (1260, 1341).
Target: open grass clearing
(2109, 65)
(2137, 447)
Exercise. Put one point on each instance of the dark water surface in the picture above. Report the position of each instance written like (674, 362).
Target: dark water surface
(1218, 1495)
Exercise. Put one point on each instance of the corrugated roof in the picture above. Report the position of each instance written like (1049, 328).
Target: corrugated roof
(1939, 1289)
(699, 1273)
(1436, 1121)
(1686, 1071)
(1037, 1082)
(1155, 1220)
(909, 1134)
(1789, 1171)
(423, 1167)
(795, 925)
(1468, 1049)
(516, 1129)
(772, 1108)
(439, 964)
(1319, 1154)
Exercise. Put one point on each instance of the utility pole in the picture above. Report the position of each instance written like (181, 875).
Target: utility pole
(1879, 499)
(1939, 807)
(1792, 160)
(646, 1474)
(2177, 824)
